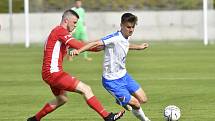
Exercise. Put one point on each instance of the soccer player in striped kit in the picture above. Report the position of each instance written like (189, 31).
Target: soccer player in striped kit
(115, 78)
(59, 81)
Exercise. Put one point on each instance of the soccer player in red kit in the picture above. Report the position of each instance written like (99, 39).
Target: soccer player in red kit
(59, 81)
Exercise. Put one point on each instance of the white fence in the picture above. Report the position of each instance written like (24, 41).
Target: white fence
(152, 25)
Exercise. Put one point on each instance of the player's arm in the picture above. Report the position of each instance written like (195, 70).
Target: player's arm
(73, 43)
(78, 44)
(68, 40)
(89, 46)
(138, 47)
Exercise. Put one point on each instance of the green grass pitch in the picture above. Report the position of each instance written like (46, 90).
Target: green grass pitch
(179, 73)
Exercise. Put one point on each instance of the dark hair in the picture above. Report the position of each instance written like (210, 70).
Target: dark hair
(128, 17)
(68, 13)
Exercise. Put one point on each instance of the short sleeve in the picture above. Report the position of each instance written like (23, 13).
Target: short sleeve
(65, 36)
(109, 39)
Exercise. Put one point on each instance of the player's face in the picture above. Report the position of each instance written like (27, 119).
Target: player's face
(78, 4)
(127, 29)
(71, 23)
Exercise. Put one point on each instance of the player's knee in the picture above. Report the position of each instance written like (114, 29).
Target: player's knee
(135, 104)
(87, 89)
(143, 100)
(62, 100)
(65, 99)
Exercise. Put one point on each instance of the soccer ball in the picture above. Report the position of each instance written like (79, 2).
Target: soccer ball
(172, 113)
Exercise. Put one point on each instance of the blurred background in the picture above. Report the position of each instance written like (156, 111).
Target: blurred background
(158, 19)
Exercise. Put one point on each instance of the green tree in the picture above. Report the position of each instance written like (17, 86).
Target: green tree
(18, 6)
(103, 5)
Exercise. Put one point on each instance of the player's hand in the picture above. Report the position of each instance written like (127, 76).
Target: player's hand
(144, 45)
(74, 52)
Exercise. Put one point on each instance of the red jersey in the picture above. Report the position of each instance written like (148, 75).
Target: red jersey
(55, 49)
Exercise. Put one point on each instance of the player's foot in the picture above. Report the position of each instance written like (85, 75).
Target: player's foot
(114, 116)
(88, 59)
(70, 58)
(32, 119)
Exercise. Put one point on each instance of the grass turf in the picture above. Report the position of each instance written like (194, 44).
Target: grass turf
(179, 73)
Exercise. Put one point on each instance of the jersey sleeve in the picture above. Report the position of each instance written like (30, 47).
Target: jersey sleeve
(76, 44)
(68, 40)
(107, 40)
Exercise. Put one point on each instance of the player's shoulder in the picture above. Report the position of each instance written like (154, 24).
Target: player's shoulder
(60, 29)
(82, 9)
(73, 8)
(111, 35)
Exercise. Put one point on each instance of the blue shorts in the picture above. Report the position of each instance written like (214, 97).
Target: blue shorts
(121, 88)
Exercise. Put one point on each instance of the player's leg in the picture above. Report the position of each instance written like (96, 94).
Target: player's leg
(83, 37)
(86, 56)
(69, 57)
(137, 110)
(70, 83)
(60, 99)
(122, 89)
(138, 97)
(95, 104)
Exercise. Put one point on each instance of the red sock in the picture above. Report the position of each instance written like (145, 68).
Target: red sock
(94, 103)
(45, 110)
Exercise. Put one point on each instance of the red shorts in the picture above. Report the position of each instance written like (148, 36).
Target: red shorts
(60, 82)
